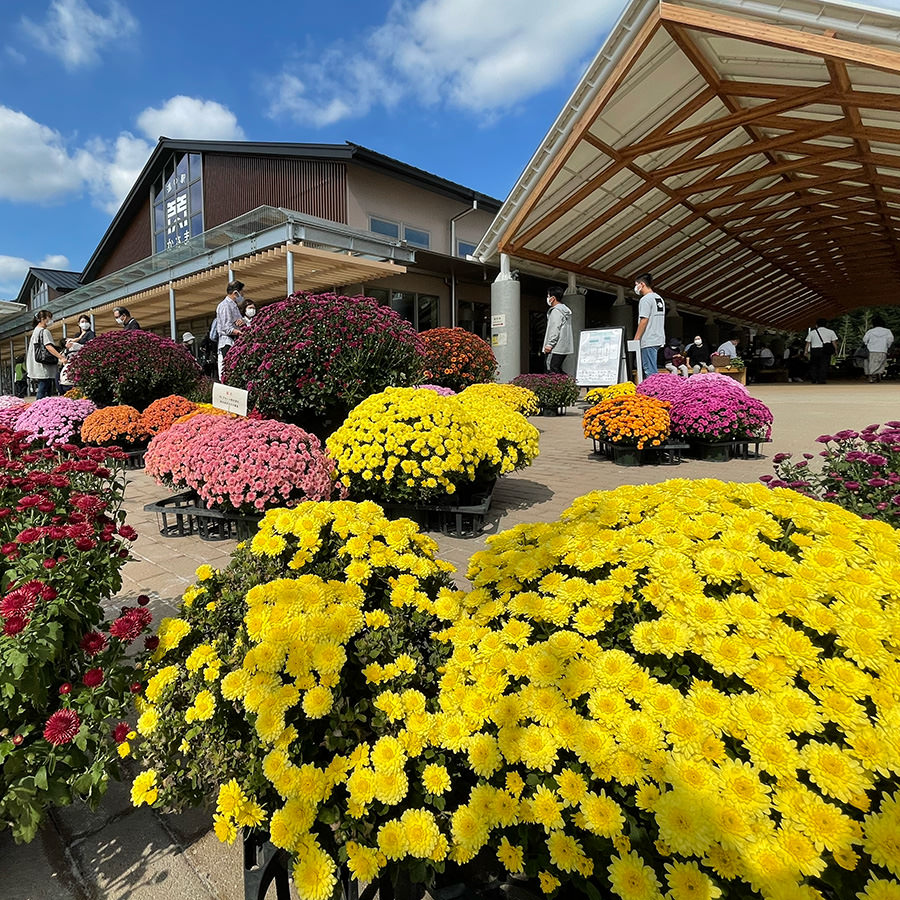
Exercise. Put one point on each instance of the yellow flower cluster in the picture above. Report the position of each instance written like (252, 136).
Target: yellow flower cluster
(598, 394)
(520, 399)
(660, 704)
(411, 444)
(510, 441)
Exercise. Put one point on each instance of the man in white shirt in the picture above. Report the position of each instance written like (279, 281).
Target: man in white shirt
(821, 345)
(730, 347)
(878, 340)
(651, 328)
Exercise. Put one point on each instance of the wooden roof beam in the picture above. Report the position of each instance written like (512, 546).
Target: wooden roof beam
(775, 191)
(778, 36)
(810, 200)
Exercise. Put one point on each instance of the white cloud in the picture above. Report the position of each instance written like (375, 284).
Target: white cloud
(75, 33)
(14, 268)
(190, 118)
(37, 166)
(476, 56)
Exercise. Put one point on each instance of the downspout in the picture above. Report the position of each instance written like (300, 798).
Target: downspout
(453, 222)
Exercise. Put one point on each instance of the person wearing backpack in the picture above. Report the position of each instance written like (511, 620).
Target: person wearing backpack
(821, 345)
(43, 358)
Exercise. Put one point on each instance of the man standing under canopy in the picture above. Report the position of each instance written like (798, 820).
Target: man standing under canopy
(651, 328)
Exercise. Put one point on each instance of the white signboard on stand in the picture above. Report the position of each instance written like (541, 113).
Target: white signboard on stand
(601, 354)
(231, 399)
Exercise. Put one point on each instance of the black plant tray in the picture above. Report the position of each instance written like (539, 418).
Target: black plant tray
(184, 514)
(462, 519)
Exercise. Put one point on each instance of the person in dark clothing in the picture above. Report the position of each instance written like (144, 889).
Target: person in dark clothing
(125, 319)
(698, 355)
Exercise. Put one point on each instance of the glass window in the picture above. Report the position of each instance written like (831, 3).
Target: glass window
(428, 310)
(196, 197)
(178, 215)
(417, 237)
(382, 295)
(383, 226)
(475, 317)
(464, 249)
(404, 303)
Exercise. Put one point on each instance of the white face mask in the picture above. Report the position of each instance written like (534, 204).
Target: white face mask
(250, 313)
(549, 301)
(85, 325)
(637, 291)
(698, 341)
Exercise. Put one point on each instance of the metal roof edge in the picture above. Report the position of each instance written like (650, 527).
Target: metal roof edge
(631, 20)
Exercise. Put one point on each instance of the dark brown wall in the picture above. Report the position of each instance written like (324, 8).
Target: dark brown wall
(233, 185)
(134, 245)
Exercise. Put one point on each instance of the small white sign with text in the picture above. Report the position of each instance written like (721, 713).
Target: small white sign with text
(231, 399)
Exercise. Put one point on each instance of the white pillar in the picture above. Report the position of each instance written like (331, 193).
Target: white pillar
(172, 325)
(289, 257)
(506, 322)
(576, 303)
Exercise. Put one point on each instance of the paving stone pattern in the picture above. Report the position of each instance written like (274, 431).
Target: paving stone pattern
(119, 853)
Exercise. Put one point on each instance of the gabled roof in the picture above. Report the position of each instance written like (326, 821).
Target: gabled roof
(132, 204)
(746, 152)
(60, 280)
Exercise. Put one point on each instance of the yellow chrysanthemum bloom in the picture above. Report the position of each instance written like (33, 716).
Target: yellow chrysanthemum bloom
(144, 789)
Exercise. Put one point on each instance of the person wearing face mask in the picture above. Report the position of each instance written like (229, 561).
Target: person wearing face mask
(651, 328)
(698, 356)
(248, 310)
(229, 321)
(558, 340)
(43, 372)
(125, 319)
(73, 345)
(675, 359)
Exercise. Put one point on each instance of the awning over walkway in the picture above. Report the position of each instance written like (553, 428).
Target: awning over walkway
(746, 153)
(268, 249)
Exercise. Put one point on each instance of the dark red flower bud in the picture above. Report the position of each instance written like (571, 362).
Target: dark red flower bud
(143, 599)
(152, 642)
(18, 740)
(135, 687)
(50, 563)
(65, 688)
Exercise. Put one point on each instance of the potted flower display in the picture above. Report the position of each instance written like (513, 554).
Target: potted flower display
(65, 681)
(456, 358)
(859, 471)
(628, 424)
(54, 420)
(620, 705)
(116, 426)
(517, 398)
(554, 392)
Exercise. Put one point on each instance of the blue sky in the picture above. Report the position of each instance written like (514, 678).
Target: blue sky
(463, 88)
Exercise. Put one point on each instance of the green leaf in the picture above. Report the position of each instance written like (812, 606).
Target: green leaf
(40, 778)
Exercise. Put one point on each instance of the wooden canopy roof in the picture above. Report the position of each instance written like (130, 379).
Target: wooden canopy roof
(747, 154)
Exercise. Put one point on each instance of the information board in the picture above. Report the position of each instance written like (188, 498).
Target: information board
(231, 399)
(601, 353)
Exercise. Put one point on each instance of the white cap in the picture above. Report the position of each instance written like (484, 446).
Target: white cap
(187, 336)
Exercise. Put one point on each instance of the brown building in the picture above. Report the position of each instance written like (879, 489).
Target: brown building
(276, 216)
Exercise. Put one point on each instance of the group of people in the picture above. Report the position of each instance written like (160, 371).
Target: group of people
(651, 332)
(45, 363)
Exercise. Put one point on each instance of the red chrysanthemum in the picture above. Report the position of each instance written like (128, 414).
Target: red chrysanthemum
(93, 642)
(120, 732)
(93, 677)
(16, 604)
(130, 624)
(62, 727)
(13, 625)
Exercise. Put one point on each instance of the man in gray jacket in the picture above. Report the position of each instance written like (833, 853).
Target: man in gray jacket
(558, 341)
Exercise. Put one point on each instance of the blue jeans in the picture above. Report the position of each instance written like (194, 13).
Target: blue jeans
(648, 360)
(44, 387)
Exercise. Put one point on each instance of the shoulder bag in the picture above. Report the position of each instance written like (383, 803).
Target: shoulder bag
(41, 354)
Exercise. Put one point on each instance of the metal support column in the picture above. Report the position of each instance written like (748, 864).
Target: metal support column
(506, 321)
(12, 363)
(289, 261)
(172, 325)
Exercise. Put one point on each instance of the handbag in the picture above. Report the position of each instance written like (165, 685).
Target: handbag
(861, 352)
(827, 349)
(41, 354)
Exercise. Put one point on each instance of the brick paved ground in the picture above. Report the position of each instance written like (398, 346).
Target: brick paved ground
(120, 852)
